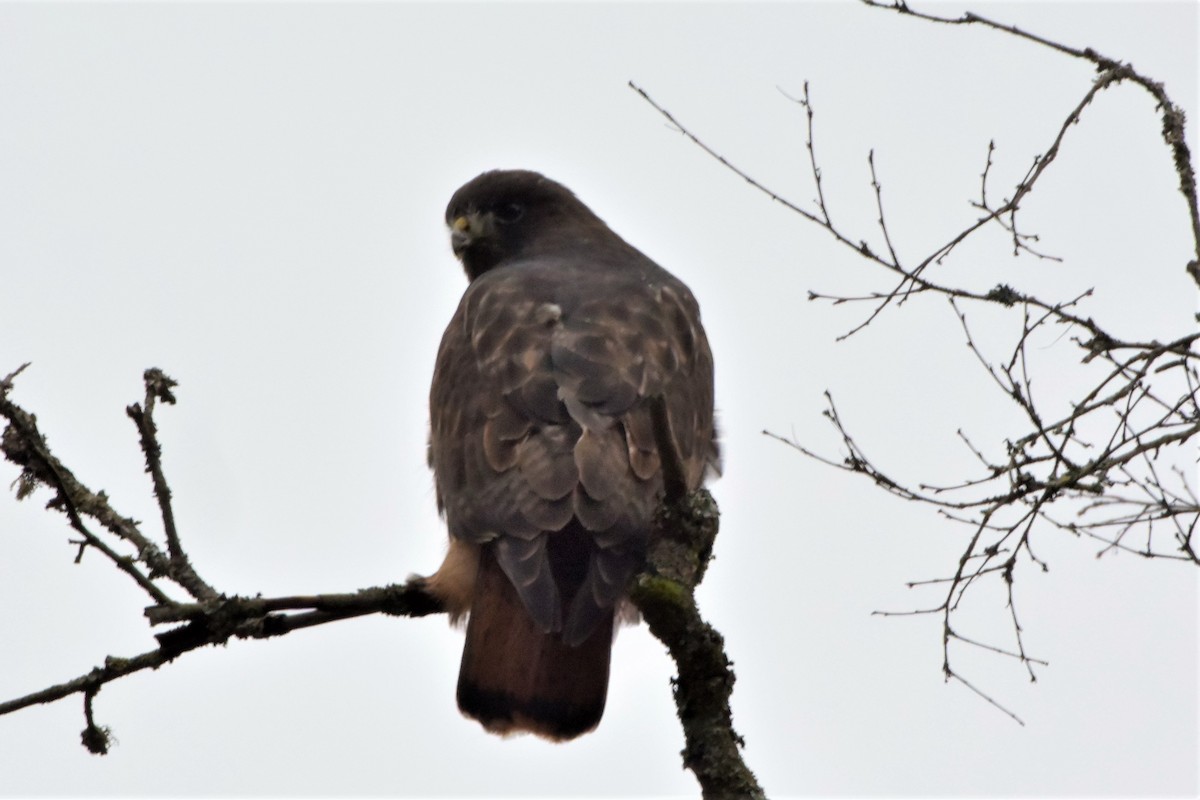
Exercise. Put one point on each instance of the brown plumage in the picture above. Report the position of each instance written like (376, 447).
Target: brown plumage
(543, 445)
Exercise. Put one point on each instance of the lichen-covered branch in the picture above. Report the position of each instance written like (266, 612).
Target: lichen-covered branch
(682, 546)
(212, 618)
(664, 592)
(24, 445)
(180, 569)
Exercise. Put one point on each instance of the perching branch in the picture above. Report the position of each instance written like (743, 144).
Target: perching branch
(1110, 464)
(680, 549)
(664, 591)
(213, 618)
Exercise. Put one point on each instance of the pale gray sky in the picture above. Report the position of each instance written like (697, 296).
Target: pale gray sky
(250, 197)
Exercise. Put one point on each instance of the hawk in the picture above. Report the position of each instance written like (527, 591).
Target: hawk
(544, 447)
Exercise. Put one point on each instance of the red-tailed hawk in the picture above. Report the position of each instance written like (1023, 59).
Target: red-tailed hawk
(543, 443)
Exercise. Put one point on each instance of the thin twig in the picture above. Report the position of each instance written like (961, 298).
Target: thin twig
(180, 569)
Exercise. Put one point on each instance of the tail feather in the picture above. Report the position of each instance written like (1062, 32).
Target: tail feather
(516, 677)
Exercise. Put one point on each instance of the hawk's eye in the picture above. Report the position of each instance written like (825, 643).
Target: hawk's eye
(510, 212)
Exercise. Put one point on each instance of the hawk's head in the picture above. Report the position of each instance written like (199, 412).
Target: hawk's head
(507, 214)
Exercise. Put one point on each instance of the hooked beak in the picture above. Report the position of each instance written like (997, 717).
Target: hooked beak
(469, 229)
(461, 234)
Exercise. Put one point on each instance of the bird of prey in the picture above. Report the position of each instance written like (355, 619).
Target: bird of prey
(544, 443)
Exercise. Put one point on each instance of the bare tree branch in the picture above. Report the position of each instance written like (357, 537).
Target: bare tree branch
(1174, 121)
(1096, 469)
(24, 445)
(158, 386)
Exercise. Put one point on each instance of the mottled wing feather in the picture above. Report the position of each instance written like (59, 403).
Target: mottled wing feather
(643, 448)
(594, 514)
(545, 462)
(601, 462)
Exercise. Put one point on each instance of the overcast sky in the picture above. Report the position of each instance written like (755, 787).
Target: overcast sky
(250, 197)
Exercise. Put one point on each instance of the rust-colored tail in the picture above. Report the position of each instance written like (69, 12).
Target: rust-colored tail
(515, 677)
